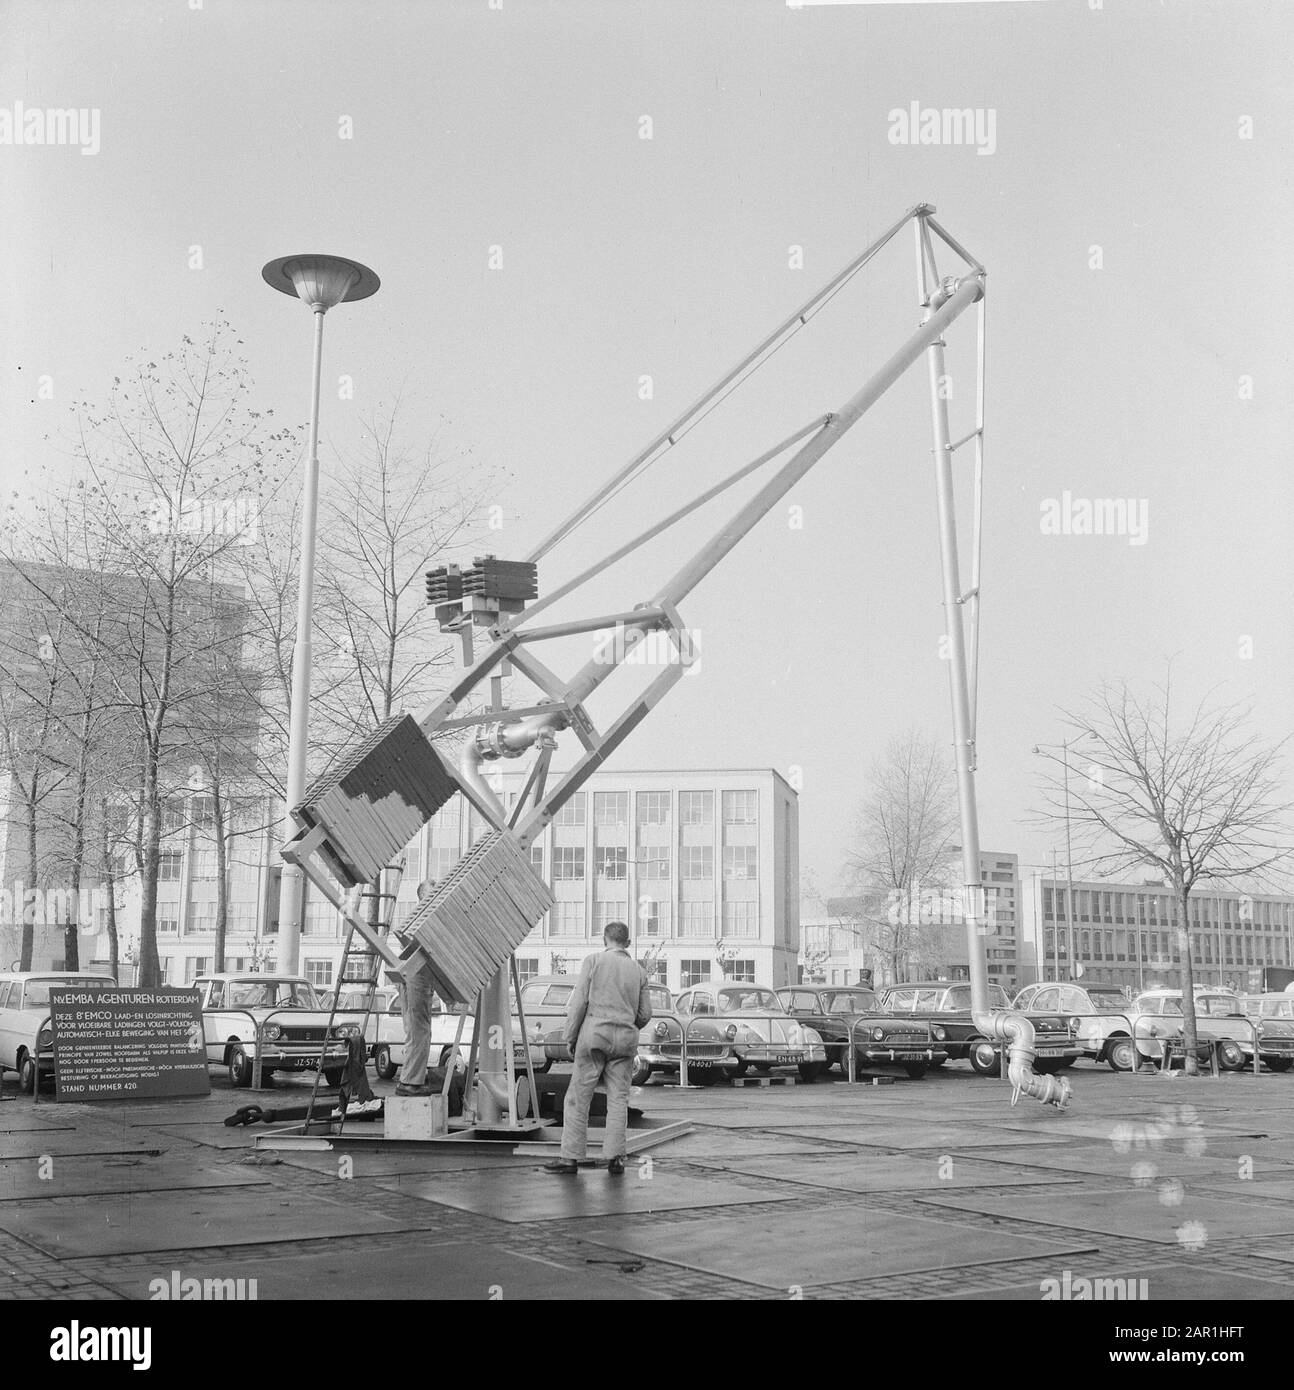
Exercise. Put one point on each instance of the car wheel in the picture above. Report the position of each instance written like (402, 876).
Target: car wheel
(641, 1073)
(984, 1058)
(1231, 1056)
(382, 1062)
(1280, 1063)
(333, 1075)
(1121, 1054)
(26, 1074)
(240, 1068)
(916, 1070)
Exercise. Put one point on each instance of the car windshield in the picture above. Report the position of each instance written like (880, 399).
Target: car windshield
(36, 995)
(735, 1000)
(1107, 1001)
(278, 994)
(659, 998)
(1217, 1005)
(849, 1001)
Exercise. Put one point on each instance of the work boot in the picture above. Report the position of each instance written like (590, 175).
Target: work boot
(616, 1167)
(424, 1090)
(565, 1167)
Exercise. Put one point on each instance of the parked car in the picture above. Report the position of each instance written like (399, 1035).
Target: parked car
(26, 1037)
(1273, 1016)
(1157, 1014)
(751, 1026)
(277, 1016)
(387, 1038)
(879, 1038)
(545, 997)
(1104, 1015)
(948, 1004)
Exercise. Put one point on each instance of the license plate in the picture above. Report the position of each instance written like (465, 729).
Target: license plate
(787, 1057)
(698, 1065)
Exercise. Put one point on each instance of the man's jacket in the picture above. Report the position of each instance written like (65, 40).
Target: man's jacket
(612, 988)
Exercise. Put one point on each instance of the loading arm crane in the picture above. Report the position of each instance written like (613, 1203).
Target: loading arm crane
(372, 804)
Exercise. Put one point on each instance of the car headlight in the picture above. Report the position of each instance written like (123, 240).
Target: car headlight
(940, 1032)
(346, 1030)
(271, 1032)
(730, 1032)
(46, 1039)
(878, 1034)
(1075, 1024)
(662, 1029)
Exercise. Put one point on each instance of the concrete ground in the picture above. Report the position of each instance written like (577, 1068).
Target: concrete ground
(920, 1189)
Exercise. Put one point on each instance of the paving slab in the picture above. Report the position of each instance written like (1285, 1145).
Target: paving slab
(518, 1197)
(1139, 1213)
(735, 1143)
(72, 1226)
(1163, 1283)
(70, 1142)
(783, 1249)
(417, 1269)
(215, 1135)
(21, 1179)
(914, 1136)
(1261, 1187)
(856, 1173)
(1078, 1127)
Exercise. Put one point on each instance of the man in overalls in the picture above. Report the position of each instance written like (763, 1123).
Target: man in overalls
(610, 1004)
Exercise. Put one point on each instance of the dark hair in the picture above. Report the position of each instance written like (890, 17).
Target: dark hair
(617, 933)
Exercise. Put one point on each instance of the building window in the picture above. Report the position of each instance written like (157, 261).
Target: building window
(696, 861)
(164, 964)
(172, 816)
(195, 966)
(697, 919)
(202, 812)
(168, 866)
(696, 808)
(318, 972)
(653, 917)
(568, 919)
(568, 861)
(612, 861)
(537, 859)
(742, 972)
(741, 919)
(693, 972)
(740, 808)
(204, 864)
(604, 913)
(653, 808)
(572, 813)
(168, 926)
(440, 862)
(610, 808)
(740, 861)
(655, 971)
(320, 920)
(527, 968)
(653, 861)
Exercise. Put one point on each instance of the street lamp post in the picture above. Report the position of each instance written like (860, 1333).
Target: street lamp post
(320, 282)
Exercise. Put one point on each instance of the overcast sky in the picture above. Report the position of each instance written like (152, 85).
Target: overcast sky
(1129, 195)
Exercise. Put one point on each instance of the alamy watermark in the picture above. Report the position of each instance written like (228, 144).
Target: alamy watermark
(944, 125)
(1096, 516)
(1079, 1289)
(631, 646)
(238, 516)
(51, 907)
(23, 125)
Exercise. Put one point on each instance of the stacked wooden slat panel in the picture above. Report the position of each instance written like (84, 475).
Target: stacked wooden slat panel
(477, 916)
(375, 799)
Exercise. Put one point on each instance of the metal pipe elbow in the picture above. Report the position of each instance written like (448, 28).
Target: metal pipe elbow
(1016, 1030)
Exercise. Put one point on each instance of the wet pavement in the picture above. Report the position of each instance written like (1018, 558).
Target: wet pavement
(921, 1189)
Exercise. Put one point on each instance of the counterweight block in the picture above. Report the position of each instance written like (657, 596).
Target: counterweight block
(476, 917)
(375, 799)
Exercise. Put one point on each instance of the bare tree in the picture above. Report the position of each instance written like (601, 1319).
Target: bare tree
(905, 837)
(1194, 797)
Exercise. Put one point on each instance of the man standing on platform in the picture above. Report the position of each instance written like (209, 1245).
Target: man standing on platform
(417, 998)
(610, 1004)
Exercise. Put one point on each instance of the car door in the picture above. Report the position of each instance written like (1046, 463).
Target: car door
(10, 1013)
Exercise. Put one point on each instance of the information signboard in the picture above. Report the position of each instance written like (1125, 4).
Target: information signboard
(126, 1043)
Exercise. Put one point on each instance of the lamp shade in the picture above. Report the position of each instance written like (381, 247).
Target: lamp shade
(321, 281)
